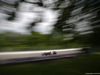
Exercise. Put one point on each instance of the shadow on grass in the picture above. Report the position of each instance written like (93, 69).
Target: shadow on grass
(75, 66)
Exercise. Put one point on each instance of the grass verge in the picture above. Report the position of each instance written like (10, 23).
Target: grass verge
(74, 66)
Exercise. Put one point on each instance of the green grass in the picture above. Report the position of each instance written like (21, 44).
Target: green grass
(73, 66)
(98, 53)
(30, 48)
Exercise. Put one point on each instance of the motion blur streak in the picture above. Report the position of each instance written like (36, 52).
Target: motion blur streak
(25, 54)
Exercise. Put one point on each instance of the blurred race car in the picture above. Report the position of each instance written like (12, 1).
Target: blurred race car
(49, 53)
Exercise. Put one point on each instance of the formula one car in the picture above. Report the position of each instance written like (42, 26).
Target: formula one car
(49, 53)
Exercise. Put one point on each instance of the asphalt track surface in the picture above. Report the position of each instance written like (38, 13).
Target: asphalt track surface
(32, 56)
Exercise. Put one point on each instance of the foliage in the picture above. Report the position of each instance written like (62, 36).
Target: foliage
(55, 40)
(35, 41)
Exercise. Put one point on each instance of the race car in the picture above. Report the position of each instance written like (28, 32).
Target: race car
(49, 53)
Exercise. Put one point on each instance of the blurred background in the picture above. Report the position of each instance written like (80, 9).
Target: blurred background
(49, 24)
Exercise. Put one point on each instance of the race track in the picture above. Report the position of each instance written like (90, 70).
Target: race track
(22, 56)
